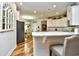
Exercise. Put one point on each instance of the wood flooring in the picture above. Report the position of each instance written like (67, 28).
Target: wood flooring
(24, 48)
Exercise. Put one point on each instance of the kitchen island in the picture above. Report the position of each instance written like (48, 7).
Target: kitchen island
(43, 40)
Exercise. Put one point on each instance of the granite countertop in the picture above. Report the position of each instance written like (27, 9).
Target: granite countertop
(55, 33)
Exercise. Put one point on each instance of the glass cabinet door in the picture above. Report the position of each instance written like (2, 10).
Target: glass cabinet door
(6, 18)
(3, 20)
(7, 21)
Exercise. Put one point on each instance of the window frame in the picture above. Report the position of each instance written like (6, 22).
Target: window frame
(8, 16)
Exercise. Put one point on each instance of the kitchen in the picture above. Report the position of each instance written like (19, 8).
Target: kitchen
(37, 27)
(53, 31)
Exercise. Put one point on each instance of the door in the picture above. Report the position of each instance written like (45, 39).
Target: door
(20, 32)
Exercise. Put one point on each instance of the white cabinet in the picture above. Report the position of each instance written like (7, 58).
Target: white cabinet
(6, 16)
(73, 15)
(57, 23)
(50, 23)
(63, 22)
(1, 5)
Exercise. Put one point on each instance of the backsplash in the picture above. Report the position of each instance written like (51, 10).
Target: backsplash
(64, 29)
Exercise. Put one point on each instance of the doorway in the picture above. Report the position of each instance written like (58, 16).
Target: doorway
(20, 32)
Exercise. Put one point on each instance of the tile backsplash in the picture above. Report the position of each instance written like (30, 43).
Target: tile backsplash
(64, 29)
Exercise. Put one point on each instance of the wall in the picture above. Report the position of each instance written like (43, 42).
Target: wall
(35, 25)
(8, 38)
(7, 42)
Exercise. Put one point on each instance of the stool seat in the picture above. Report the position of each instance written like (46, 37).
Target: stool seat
(69, 48)
(57, 50)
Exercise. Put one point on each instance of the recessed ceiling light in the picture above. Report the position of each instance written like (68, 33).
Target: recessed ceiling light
(54, 6)
(20, 3)
(27, 17)
(35, 11)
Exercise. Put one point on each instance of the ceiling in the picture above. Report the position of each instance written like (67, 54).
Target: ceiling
(43, 9)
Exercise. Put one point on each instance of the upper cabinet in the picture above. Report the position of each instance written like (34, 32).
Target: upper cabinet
(73, 14)
(57, 23)
(7, 16)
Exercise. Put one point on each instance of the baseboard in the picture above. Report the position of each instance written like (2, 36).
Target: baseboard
(10, 52)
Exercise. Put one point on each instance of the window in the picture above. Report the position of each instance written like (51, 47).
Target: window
(7, 19)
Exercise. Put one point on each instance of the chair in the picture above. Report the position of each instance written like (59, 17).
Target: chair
(69, 48)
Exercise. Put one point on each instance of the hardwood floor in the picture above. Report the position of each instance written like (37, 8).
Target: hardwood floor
(25, 48)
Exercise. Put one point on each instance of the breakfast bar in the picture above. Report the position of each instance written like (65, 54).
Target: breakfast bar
(43, 40)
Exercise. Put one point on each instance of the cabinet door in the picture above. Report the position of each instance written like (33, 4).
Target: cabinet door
(1, 11)
(69, 13)
(54, 23)
(75, 15)
(49, 23)
(63, 22)
(57, 23)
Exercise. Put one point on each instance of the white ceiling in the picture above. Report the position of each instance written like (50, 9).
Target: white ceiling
(42, 8)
